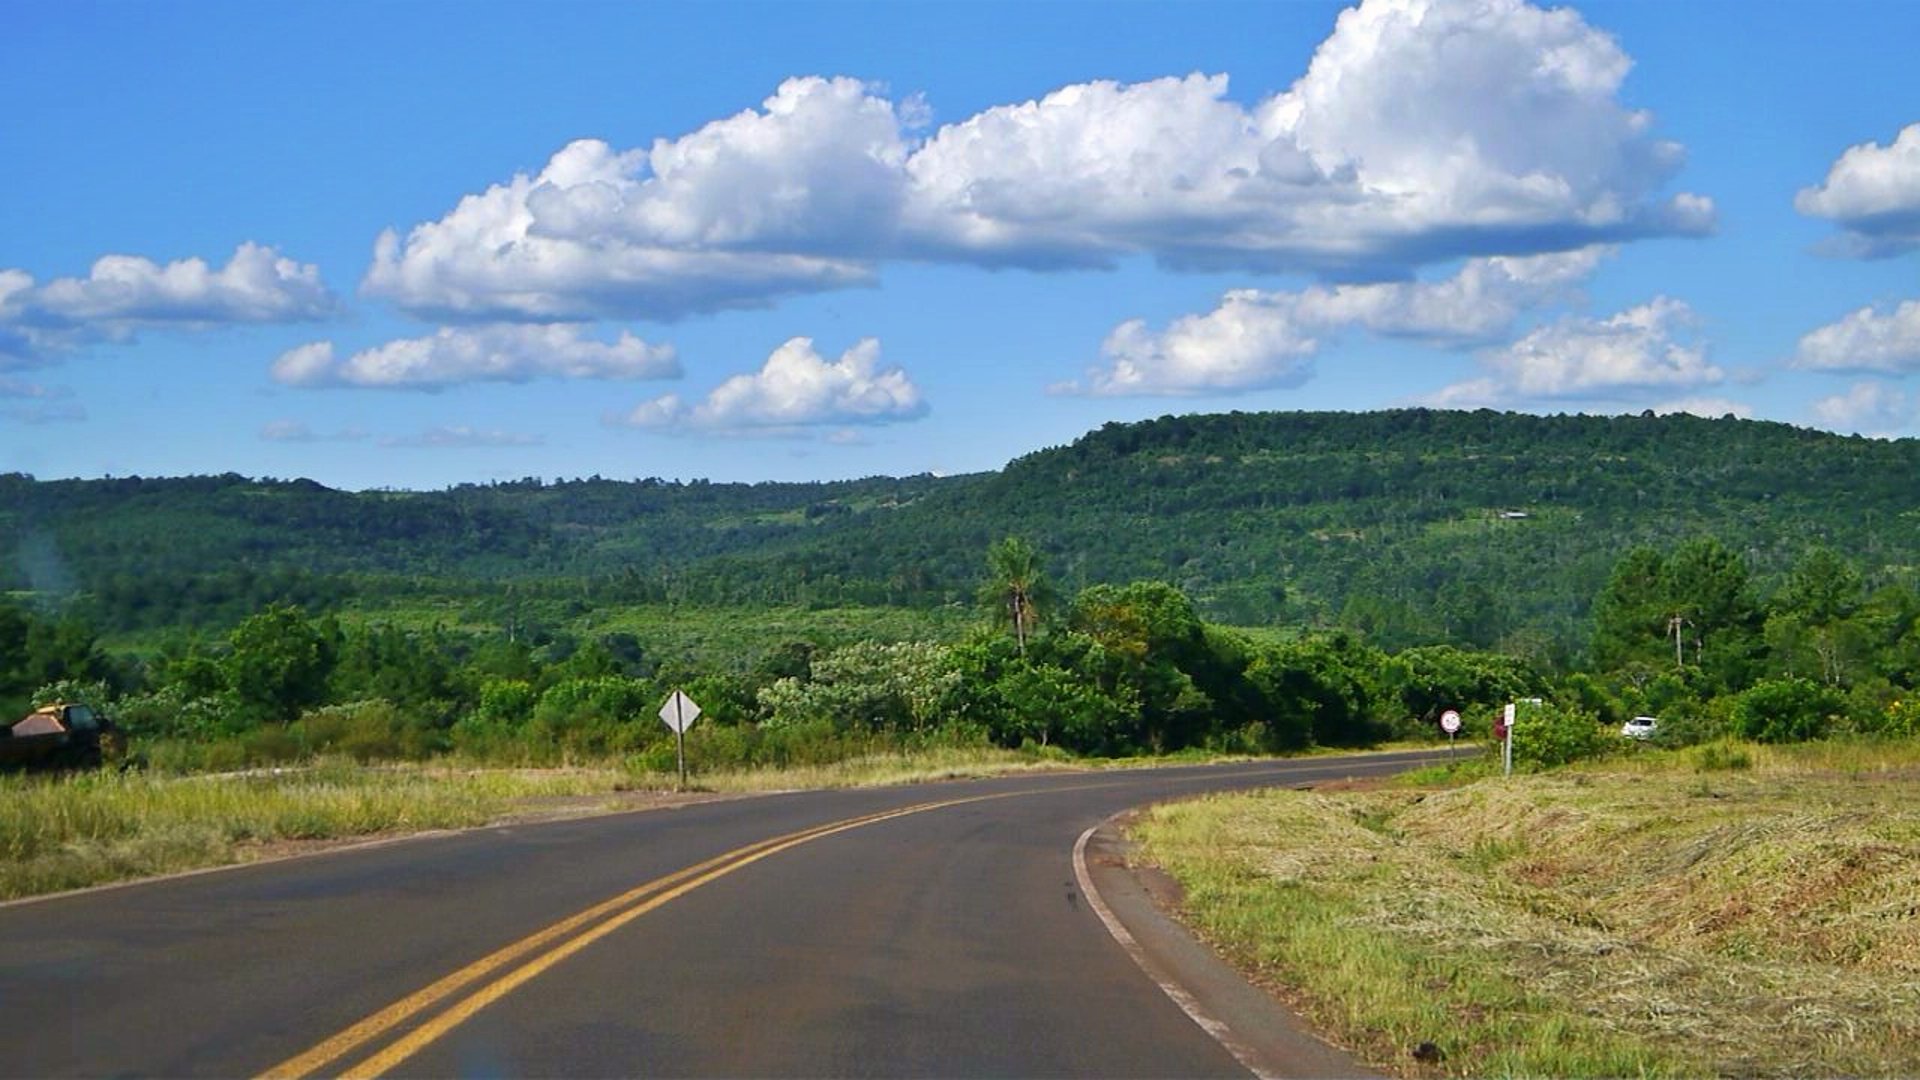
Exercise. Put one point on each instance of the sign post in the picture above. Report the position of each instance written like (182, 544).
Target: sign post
(679, 713)
(1506, 749)
(1450, 723)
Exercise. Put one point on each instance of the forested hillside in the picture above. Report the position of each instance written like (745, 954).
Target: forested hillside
(1482, 528)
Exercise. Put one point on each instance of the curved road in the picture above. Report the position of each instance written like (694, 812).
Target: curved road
(935, 930)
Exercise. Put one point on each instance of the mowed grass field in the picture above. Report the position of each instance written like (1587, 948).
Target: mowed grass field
(1728, 910)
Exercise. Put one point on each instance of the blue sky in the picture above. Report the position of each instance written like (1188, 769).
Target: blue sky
(412, 245)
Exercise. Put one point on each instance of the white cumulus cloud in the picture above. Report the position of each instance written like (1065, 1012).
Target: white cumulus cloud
(499, 353)
(1257, 340)
(123, 294)
(795, 389)
(1629, 356)
(745, 210)
(1867, 340)
(1873, 193)
(1423, 131)
(1869, 407)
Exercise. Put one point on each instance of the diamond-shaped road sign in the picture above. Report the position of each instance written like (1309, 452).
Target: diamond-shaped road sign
(679, 712)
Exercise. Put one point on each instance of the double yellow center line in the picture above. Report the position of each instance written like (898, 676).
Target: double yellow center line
(494, 976)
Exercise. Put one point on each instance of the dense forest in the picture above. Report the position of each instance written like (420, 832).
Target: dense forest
(1413, 527)
(1237, 582)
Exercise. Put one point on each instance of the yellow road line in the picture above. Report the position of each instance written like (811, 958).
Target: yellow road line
(642, 898)
(661, 890)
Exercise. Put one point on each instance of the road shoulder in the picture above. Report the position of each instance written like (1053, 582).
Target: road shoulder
(1267, 1037)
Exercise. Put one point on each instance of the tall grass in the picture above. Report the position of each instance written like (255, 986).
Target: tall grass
(66, 832)
(1671, 912)
(72, 831)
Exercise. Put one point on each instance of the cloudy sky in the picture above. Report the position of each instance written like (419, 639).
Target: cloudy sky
(418, 244)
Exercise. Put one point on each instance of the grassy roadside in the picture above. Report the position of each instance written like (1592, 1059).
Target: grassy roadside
(1729, 910)
(69, 832)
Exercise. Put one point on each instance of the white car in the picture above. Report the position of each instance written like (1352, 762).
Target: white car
(1640, 727)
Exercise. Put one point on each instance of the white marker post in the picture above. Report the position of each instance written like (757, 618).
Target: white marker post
(679, 713)
(1506, 750)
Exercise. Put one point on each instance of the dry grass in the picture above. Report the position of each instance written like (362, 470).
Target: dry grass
(1643, 916)
(69, 832)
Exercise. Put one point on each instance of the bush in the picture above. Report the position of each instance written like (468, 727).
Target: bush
(1900, 719)
(898, 687)
(175, 712)
(1690, 724)
(598, 716)
(1050, 704)
(1723, 756)
(500, 728)
(375, 730)
(715, 747)
(94, 692)
(1553, 734)
(1786, 710)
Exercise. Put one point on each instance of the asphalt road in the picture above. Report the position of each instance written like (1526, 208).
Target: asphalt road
(951, 939)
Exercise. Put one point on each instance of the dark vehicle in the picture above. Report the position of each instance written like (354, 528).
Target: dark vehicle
(63, 734)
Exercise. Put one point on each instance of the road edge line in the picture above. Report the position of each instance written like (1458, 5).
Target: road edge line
(1216, 1029)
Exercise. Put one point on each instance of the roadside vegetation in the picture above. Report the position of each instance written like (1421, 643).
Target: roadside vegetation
(1029, 677)
(69, 832)
(1731, 909)
(73, 831)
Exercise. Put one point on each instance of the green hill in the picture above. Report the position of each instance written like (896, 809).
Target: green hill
(1484, 528)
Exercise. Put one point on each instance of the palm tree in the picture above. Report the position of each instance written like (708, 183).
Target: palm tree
(1015, 586)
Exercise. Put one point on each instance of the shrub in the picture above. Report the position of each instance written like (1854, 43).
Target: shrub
(1900, 719)
(1553, 734)
(1690, 724)
(175, 712)
(94, 692)
(597, 716)
(1721, 757)
(1045, 703)
(1786, 710)
(905, 686)
(374, 730)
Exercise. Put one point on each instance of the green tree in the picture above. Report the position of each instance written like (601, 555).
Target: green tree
(1150, 643)
(1321, 689)
(597, 715)
(867, 686)
(1714, 612)
(1692, 608)
(1631, 615)
(279, 663)
(1786, 710)
(1048, 704)
(1812, 628)
(1016, 590)
(1427, 681)
(1823, 588)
